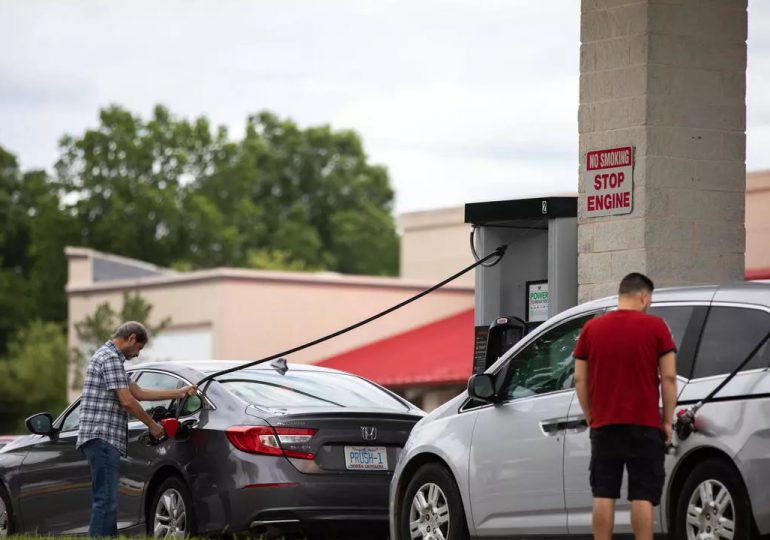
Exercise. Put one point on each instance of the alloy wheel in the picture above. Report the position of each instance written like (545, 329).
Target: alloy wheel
(170, 516)
(710, 512)
(5, 524)
(429, 514)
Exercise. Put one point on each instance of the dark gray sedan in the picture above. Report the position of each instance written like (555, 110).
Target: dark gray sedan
(311, 450)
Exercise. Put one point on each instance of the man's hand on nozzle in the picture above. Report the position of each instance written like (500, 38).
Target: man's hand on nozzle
(156, 430)
(187, 391)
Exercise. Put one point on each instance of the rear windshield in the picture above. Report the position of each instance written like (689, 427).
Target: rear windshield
(272, 390)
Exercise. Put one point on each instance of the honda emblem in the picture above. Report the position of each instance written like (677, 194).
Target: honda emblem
(368, 433)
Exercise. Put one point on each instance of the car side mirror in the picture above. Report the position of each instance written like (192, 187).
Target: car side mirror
(482, 387)
(40, 424)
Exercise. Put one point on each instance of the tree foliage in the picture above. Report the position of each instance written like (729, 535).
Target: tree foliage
(33, 234)
(180, 193)
(33, 376)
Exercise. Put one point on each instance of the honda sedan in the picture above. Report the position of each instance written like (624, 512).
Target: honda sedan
(308, 449)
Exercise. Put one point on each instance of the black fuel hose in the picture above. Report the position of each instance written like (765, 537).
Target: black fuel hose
(685, 419)
(497, 253)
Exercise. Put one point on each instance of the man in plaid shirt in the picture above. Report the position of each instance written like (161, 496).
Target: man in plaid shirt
(107, 398)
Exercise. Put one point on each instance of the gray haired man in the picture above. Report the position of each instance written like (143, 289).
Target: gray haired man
(108, 398)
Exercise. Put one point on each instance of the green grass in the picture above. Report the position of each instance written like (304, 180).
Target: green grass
(140, 537)
(51, 537)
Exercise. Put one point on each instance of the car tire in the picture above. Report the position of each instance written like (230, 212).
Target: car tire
(432, 500)
(171, 508)
(726, 507)
(6, 514)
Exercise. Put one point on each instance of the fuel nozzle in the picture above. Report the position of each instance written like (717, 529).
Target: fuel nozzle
(685, 422)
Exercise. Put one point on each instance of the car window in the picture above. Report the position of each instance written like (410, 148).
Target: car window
(192, 404)
(678, 319)
(729, 335)
(72, 420)
(152, 380)
(309, 389)
(546, 364)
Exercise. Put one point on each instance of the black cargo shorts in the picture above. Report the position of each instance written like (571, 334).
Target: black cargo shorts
(639, 449)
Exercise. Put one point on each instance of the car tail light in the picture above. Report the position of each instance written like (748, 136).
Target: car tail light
(289, 442)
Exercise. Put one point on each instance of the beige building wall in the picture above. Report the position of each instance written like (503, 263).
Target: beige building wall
(758, 220)
(435, 244)
(265, 317)
(189, 304)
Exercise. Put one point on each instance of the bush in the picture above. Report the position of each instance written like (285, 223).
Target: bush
(33, 375)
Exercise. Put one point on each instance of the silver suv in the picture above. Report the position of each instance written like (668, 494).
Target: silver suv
(517, 463)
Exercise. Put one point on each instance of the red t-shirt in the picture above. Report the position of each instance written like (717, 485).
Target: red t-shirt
(622, 349)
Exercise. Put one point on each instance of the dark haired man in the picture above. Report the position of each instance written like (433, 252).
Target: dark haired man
(107, 398)
(621, 360)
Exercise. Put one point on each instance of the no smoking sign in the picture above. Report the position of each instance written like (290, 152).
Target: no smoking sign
(609, 181)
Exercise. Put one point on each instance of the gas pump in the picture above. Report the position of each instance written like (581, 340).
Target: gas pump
(538, 278)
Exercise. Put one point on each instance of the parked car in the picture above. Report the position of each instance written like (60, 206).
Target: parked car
(260, 451)
(516, 463)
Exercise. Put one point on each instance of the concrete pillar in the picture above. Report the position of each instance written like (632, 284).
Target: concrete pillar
(669, 78)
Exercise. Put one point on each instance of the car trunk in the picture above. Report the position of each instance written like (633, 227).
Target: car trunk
(358, 441)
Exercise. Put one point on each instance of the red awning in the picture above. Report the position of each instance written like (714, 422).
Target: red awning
(437, 353)
(757, 273)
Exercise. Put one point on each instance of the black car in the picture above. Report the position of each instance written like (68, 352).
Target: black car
(308, 450)
(6, 439)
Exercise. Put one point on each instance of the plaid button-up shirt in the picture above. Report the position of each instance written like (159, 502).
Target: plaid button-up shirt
(101, 416)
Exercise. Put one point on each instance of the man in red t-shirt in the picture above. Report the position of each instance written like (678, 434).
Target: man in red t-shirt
(621, 358)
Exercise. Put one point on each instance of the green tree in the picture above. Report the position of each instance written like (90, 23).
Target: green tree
(177, 193)
(355, 231)
(33, 378)
(126, 177)
(98, 327)
(32, 239)
(289, 190)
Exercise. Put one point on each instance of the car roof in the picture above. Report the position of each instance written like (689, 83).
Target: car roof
(752, 292)
(200, 368)
(744, 292)
(747, 292)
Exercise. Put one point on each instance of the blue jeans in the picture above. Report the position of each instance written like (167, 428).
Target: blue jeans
(104, 460)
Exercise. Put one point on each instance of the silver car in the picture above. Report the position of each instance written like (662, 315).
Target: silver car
(516, 464)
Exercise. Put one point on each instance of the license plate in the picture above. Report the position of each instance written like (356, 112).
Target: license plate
(366, 458)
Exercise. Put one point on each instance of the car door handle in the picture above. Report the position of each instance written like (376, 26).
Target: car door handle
(576, 425)
(552, 429)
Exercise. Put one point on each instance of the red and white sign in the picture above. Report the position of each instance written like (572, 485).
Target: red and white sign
(609, 182)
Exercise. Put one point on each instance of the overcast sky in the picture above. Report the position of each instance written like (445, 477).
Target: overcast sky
(462, 100)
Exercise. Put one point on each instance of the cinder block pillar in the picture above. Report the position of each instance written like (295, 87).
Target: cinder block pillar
(669, 79)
